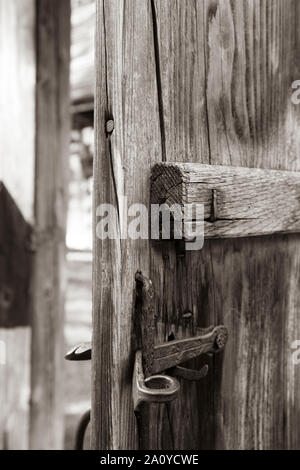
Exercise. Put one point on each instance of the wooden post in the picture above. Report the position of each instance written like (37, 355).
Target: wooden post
(122, 167)
(198, 82)
(52, 150)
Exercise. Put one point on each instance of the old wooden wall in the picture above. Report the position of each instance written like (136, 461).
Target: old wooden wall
(34, 136)
(209, 82)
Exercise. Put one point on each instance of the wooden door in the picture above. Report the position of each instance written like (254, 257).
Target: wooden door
(208, 82)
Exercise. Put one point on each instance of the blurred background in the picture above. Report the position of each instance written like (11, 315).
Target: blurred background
(46, 171)
(78, 306)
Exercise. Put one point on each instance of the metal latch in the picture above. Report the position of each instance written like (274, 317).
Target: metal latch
(156, 366)
(167, 357)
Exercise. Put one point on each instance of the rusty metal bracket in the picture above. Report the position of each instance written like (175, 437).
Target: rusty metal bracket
(150, 384)
(168, 356)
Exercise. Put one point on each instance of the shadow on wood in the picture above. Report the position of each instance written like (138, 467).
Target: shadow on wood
(15, 263)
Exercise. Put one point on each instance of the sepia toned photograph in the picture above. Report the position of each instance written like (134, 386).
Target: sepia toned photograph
(149, 228)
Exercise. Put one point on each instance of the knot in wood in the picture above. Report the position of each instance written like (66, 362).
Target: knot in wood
(110, 125)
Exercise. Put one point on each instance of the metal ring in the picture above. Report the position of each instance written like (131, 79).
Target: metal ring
(154, 389)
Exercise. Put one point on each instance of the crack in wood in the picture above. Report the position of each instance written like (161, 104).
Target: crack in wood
(158, 81)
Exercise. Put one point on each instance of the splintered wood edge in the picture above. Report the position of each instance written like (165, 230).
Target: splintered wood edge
(238, 201)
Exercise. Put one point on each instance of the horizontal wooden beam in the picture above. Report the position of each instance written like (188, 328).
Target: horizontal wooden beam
(238, 202)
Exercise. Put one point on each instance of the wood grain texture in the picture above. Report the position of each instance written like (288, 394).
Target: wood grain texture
(198, 82)
(17, 156)
(233, 63)
(126, 92)
(52, 150)
(238, 202)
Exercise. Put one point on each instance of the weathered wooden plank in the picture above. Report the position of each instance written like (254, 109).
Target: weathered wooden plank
(224, 69)
(52, 149)
(181, 44)
(126, 92)
(259, 128)
(237, 201)
(17, 157)
(226, 72)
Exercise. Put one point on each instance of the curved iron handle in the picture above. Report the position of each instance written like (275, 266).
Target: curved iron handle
(81, 430)
(155, 389)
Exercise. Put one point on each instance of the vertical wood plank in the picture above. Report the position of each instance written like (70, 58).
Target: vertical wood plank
(261, 130)
(248, 52)
(182, 47)
(223, 71)
(126, 91)
(52, 147)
